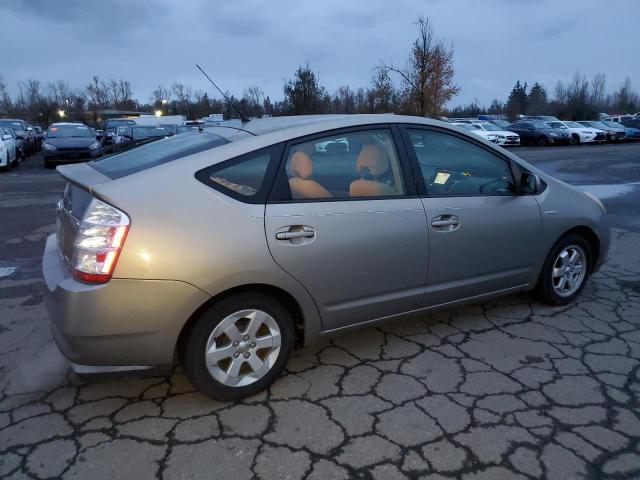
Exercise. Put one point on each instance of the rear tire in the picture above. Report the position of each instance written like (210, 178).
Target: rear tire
(221, 354)
(562, 279)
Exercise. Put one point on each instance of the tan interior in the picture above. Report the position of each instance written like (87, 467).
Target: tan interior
(301, 184)
(374, 161)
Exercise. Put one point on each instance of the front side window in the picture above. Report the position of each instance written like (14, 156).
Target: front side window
(354, 165)
(452, 166)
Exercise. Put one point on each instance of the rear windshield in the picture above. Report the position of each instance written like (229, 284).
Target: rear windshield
(157, 153)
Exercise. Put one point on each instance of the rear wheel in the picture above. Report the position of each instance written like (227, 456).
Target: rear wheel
(575, 139)
(238, 347)
(543, 141)
(565, 270)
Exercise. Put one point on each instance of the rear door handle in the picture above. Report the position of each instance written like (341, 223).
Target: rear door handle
(445, 223)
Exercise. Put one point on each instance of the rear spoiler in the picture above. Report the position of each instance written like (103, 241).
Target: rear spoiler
(82, 175)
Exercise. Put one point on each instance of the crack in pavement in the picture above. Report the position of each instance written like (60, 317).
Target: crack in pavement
(507, 388)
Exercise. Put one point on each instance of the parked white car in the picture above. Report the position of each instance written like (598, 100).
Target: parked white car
(491, 136)
(579, 133)
(505, 137)
(8, 151)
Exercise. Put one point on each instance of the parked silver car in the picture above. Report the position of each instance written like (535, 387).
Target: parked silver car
(228, 247)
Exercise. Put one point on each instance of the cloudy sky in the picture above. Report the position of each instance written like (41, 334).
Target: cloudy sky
(253, 42)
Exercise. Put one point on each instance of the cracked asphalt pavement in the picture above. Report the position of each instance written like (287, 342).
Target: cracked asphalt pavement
(503, 389)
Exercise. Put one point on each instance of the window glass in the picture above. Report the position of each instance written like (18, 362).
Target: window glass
(453, 166)
(156, 153)
(244, 177)
(350, 165)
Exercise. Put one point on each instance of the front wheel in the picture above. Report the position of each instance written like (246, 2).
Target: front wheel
(543, 141)
(565, 271)
(238, 347)
(575, 139)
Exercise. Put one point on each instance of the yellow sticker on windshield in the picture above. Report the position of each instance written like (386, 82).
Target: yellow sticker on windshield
(441, 178)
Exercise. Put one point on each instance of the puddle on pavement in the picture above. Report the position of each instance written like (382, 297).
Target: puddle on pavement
(609, 191)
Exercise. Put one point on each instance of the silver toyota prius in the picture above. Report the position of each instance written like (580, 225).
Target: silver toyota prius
(224, 249)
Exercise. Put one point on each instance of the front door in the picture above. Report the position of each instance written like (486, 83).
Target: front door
(483, 236)
(343, 224)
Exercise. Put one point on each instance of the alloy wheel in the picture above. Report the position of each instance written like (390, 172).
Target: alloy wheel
(569, 270)
(242, 348)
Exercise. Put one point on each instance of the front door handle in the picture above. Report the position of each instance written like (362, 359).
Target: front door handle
(445, 223)
(296, 233)
(291, 235)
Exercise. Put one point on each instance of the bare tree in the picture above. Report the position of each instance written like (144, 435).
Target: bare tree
(161, 95)
(598, 89)
(428, 73)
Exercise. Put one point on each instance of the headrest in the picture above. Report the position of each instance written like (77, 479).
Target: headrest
(372, 158)
(301, 165)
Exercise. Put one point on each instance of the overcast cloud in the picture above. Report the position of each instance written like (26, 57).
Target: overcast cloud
(252, 42)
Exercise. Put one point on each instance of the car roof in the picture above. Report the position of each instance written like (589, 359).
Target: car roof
(319, 123)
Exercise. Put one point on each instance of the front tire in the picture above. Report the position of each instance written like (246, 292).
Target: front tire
(238, 347)
(565, 271)
(575, 139)
(543, 141)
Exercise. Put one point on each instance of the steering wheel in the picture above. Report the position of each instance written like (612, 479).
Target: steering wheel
(496, 181)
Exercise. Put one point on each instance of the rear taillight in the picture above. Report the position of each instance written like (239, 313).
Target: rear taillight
(98, 242)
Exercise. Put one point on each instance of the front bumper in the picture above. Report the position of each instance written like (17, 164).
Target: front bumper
(123, 325)
(80, 155)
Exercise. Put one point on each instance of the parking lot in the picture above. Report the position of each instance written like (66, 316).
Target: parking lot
(504, 389)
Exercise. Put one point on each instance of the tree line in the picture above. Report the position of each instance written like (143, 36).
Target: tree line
(423, 84)
(579, 99)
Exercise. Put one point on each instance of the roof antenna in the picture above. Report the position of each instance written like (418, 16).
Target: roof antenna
(243, 118)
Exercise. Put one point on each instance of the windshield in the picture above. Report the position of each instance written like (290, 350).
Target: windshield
(157, 153)
(65, 131)
(185, 129)
(490, 127)
(466, 126)
(11, 124)
(573, 125)
(113, 124)
(144, 132)
(614, 124)
(597, 125)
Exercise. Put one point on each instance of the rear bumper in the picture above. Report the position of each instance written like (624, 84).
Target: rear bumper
(123, 325)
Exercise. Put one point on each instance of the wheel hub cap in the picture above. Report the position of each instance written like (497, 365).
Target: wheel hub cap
(242, 348)
(569, 270)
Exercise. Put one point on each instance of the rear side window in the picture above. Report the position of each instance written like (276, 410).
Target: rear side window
(246, 178)
(352, 165)
(157, 153)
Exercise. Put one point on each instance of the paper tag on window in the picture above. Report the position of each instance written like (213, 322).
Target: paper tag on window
(441, 178)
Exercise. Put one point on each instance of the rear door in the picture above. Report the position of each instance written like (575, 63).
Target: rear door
(346, 222)
(483, 236)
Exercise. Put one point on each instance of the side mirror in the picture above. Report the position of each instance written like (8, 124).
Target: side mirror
(530, 184)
